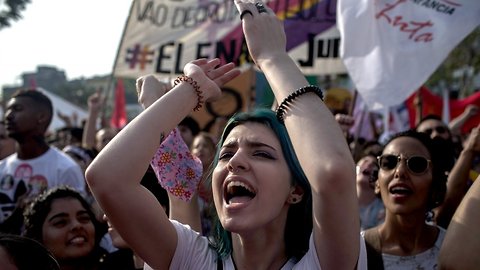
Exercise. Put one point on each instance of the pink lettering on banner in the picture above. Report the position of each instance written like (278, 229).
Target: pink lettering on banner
(417, 30)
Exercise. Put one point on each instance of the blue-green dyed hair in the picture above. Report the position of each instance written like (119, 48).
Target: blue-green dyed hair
(299, 218)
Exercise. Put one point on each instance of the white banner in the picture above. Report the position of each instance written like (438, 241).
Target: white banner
(161, 36)
(391, 47)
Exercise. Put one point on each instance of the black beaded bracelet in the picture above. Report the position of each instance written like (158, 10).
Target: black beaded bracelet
(288, 100)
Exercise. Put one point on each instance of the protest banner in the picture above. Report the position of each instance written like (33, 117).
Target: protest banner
(161, 36)
(391, 47)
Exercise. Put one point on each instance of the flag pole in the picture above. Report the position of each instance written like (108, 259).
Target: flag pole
(356, 134)
(386, 122)
(352, 104)
(446, 103)
(418, 103)
(111, 76)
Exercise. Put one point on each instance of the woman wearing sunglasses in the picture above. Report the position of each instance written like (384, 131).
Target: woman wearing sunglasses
(411, 181)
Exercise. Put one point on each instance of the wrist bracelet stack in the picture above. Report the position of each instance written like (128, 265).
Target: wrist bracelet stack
(196, 88)
(288, 100)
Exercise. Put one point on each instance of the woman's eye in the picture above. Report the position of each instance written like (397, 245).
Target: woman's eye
(263, 154)
(225, 155)
(84, 219)
(59, 223)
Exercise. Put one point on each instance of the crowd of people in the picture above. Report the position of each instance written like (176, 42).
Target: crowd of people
(276, 188)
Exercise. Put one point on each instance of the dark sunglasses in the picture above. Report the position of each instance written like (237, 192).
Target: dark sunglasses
(439, 130)
(415, 164)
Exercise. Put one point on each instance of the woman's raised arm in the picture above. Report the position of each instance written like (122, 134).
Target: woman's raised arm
(317, 139)
(462, 241)
(114, 176)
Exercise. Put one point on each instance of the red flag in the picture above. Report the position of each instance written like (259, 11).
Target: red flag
(458, 106)
(433, 104)
(119, 114)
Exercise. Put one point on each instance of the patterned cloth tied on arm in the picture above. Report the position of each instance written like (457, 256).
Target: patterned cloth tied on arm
(177, 170)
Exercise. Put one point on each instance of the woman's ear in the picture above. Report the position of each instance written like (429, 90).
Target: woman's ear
(296, 194)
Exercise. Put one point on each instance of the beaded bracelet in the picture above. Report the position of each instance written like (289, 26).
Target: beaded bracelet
(185, 78)
(288, 100)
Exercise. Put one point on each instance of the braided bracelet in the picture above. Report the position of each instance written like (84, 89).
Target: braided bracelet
(185, 78)
(288, 100)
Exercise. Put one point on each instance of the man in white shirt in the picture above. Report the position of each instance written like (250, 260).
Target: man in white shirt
(35, 166)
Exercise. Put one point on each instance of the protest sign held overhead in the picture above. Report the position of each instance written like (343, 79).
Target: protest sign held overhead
(161, 36)
(391, 47)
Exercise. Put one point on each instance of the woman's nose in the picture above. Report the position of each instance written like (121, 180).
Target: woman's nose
(238, 162)
(76, 224)
(401, 166)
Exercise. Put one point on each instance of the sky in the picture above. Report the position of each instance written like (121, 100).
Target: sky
(80, 37)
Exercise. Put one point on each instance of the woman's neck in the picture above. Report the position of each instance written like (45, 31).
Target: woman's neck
(84, 263)
(401, 239)
(262, 251)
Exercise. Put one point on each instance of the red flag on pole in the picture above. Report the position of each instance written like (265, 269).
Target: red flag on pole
(119, 114)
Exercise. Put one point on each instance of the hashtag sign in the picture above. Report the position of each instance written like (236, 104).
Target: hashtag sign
(139, 55)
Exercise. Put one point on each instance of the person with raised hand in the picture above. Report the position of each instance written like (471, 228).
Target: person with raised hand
(276, 205)
(317, 140)
(114, 176)
(462, 242)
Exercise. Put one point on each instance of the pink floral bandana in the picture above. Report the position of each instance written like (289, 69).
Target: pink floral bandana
(177, 170)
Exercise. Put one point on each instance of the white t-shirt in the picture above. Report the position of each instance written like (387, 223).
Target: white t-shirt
(194, 253)
(425, 260)
(17, 177)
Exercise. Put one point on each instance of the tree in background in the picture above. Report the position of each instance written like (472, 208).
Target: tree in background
(10, 10)
(458, 70)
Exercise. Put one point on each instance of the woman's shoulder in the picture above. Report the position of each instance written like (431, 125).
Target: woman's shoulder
(193, 250)
(311, 261)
